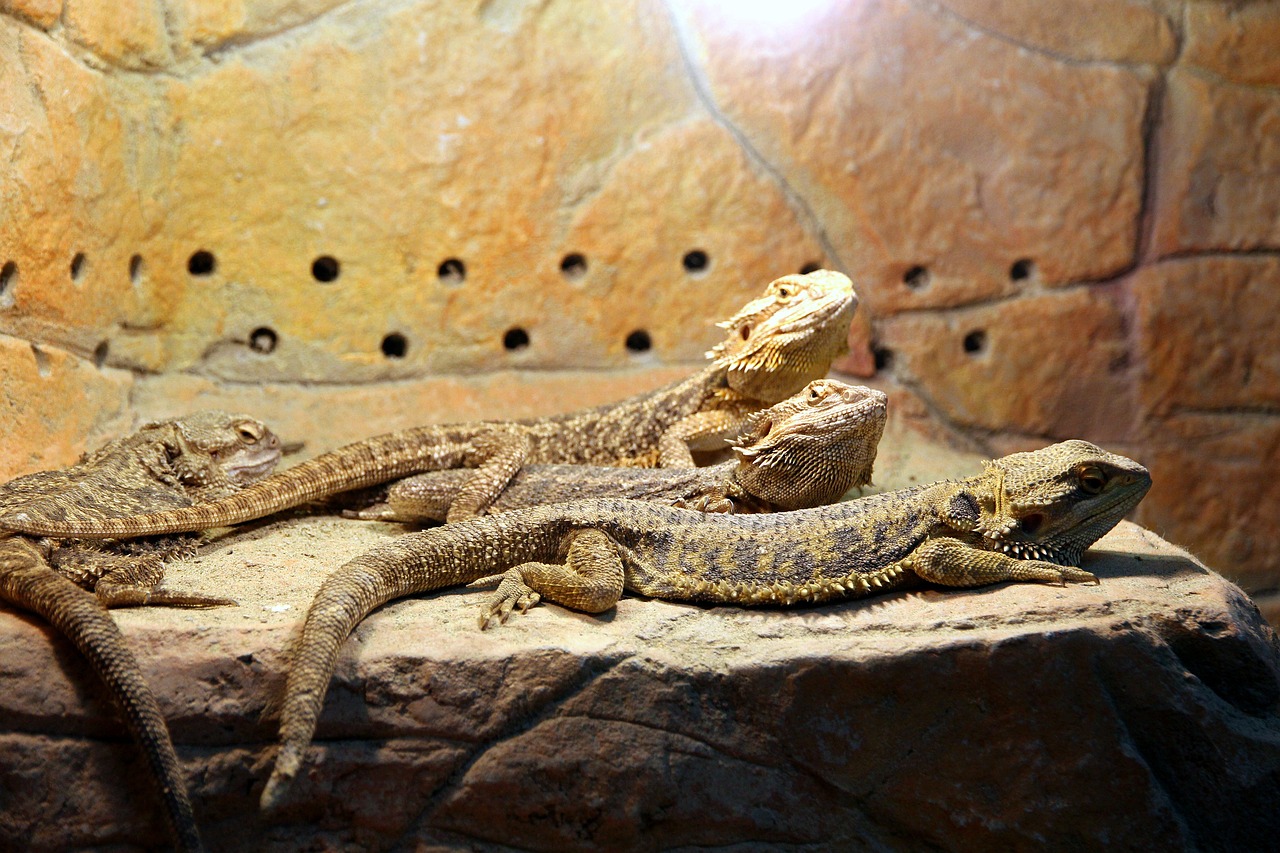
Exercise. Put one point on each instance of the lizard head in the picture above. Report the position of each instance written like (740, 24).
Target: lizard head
(221, 450)
(789, 336)
(813, 447)
(1052, 504)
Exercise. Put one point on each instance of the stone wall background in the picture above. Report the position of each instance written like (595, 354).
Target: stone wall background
(1063, 219)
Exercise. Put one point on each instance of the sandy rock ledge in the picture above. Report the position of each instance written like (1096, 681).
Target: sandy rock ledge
(1143, 713)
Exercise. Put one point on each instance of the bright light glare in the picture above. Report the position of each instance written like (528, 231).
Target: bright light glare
(766, 13)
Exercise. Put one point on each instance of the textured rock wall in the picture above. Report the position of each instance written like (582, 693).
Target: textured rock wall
(1064, 218)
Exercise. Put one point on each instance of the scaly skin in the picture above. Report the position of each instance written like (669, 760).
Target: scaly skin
(775, 345)
(171, 464)
(1027, 517)
(808, 450)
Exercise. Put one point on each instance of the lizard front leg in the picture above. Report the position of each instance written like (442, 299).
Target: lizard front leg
(950, 562)
(590, 580)
(501, 454)
(703, 430)
(126, 580)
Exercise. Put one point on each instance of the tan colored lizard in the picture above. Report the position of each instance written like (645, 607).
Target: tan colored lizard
(774, 346)
(1027, 517)
(203, 456)
(806, 451)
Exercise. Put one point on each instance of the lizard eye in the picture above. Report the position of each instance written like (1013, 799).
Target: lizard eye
(248, 433)
(745, 331)
(784, 292)
(1092, 479)
(815, 394)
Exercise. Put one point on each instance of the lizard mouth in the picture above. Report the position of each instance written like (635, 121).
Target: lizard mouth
(253, 467)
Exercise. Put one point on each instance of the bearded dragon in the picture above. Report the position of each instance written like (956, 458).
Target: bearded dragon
(1027, 517)
(773, 347)
(806, 451)
(204, 456)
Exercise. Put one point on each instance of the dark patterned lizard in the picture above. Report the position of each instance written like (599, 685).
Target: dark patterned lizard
(1027, 517)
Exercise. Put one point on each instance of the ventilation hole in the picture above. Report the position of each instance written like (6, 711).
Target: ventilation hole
(812, 266)
(42, 361)
(916, 278)
(695, 261)
(1022, 269)
(100, 354)
(77, 267)
(8, 283)
(135, 269)
(975, 342)
(325, 268)
(515, 339)
(201, 263)
(573, 266)
(395, 345)
(263, 340)
(452, 271)
(883, 357)
(639, 341)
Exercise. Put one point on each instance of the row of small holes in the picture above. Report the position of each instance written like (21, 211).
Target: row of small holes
(918, 277)
(451, 271)
(395, 345)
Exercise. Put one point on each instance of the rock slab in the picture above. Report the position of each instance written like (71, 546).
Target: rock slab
(1142, 713)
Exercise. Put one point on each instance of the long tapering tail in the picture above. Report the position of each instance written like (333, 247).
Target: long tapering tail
(364, 463)
(27, 581)
(417, 562)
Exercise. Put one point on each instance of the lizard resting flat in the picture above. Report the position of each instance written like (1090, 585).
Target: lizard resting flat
(170, 464)
(1027, 517)
(806, 451)
(773, 347)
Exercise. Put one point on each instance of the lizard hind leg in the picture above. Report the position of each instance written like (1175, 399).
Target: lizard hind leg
(590, 580)
(501, 455)
(126, 580)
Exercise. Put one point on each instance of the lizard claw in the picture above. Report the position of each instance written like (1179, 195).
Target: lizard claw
(512, 592)
(1070, 574)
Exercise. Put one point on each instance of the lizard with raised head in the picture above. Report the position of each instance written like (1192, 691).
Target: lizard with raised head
(773, 347)
(171, 464)
(1027, 517)
(808, 450)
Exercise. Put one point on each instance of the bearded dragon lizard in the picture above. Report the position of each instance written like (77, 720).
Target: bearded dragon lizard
(204, 456)
(774, 346)
(1027, 517)
(806, 451)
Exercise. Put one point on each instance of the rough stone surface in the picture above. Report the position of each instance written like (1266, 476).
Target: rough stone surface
(55, 407)
(908, 159)
(1218, 185)
(1129, 31)
(1216, 485)
(1144, 712)
(1207, 333)
(1235, 40)
(986, 366)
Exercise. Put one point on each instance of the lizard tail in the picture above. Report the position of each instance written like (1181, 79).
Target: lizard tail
(27, 581)
(433, 559)
(365, 463)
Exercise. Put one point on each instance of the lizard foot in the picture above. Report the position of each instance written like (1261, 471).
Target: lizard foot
(121, 595)
(512, 592)
(1039, 570)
